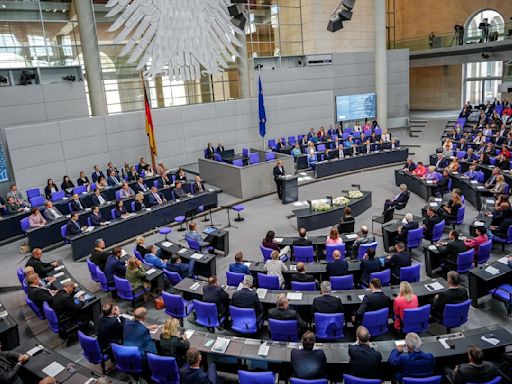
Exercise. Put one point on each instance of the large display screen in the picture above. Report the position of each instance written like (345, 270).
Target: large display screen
(355, 107)
(3, 166)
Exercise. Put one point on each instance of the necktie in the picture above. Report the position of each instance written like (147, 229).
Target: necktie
(56, 213)
(80, 204)
(158, 199)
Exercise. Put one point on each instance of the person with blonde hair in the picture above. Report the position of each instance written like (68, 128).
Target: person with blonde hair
(173, 342)
(500, 186)
(136, 275)
(275, 267)
(334, 237)
(139, 202)
(406, 299)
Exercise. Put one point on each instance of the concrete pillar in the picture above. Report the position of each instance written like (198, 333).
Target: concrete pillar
(160, 100)
(91, 54)
(381, 74)
(243, 68)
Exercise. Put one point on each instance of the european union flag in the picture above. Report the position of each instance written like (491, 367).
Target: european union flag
(261, 110)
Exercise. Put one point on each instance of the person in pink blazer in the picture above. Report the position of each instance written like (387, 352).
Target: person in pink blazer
(406, 299)
(475, 242)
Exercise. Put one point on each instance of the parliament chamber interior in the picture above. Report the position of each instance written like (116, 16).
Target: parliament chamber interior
(255, 191)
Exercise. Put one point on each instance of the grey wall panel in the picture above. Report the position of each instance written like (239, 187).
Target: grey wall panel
(22, 114)
(75, 129)
(231, 123)
(166, 116)
(30, 135)
(27, 157)
(29, 94)
(65, 109)
(85, 146)
(168, 132)
(63, 91)
(123, 122)
(128, 139)
(198, 112)
(86, 164)
(37, 176)
(232, 108)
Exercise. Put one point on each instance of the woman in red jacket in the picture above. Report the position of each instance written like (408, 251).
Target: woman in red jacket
(479, 239)
(406, 299)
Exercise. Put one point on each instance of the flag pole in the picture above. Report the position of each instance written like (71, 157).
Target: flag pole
(146, 107)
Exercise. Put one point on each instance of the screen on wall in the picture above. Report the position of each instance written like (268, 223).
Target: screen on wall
(355, 107)
(3, 166)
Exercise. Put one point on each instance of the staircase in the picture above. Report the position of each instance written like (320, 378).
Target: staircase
(416, 126)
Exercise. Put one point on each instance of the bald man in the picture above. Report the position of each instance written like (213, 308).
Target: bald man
(137, 334)
(366, 361)
(41, 268)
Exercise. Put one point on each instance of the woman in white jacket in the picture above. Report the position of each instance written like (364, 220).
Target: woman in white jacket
(275, 267)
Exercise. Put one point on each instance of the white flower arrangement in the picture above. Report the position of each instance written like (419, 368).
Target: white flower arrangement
(320, 205)
(341, 201)
(355, 194)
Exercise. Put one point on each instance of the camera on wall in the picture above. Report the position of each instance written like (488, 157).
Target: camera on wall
(27, 77)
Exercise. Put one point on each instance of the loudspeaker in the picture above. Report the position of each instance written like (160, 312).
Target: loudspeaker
(349, 3)
(345, 15)
(239, 21)
(235, 9)
(334, 25)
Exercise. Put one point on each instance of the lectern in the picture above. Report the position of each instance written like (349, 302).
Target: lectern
(290, 188)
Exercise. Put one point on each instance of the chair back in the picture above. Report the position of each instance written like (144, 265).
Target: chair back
(234, 279)
(305, 253)
(480, 176)
(254, 158)
(416, 319)
(460, 215)
(284, 330)
(245, 152)
(24, 224)
(118, 194)
(174, 305)
(438, 230)
(376, 321)
(246, 377)
(320, 147)
(294, 380)
(34, 308)
(484, 252)
(164, 369)
(329, 326)
(265, 252)
(238, 163)
(461, 154)
(124, 288)
(424, 380)
(292, 140)
(465, 261)
(243, 320)
(21, 274)
(217, 157)
(37, 201)
(63, 231)
(414, 238)
(346, 227)
(389, 214)
(300, 286)
(174, 277)
(410, 274)
(91, 349)
(206, 314)
(193, 244)
(270, 156)
(330, 248)
(51, 317)
(268, 281)
(92, 269)
(113, 213)
(128, 358)
(102, 279)
(58, 195)
(363, 248)
(349, 379)
(80, 189)
(138, 254)
(32, 192)
(384, 277)
(456, 314)
(272, 143)
(342, 283)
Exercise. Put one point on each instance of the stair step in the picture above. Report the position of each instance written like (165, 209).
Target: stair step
(419, 121)
(414, 136)
(417, 130)
(410, 145)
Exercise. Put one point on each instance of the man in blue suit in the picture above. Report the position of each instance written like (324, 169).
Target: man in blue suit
(192, 373)
(135, 333)
(415, 363)
(114, 266)
(155, 197)
(96, 174)
(183, 269)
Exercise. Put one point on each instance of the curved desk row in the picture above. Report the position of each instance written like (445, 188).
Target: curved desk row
(415, 184)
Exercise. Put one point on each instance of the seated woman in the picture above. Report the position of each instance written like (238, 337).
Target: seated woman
(484, 159)
(83, 180)
(449, 211)
(479, 138)
(406, 299)
(447, 151)
(120, 209)
(139, 202)
(334, 237)
(136, 275)
(500, 186)
(173, 342)
(454, 165)
(49, 189)
(67, 185)
(420, 170)
(357, 127)
(132, 174)
(101, 183)
(296, 150)
(385, 137)
(36, 219)
(280, 145)
(270, 242)
(479, 239)
(311, 148)
(275, 267)
(151, 258)
(347, 218)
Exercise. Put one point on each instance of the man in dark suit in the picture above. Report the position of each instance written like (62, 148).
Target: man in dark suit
(455, 294)
(247, 298)
(404, 229)
(212, 293)
(37, 293)
(10, 364)
(401, 198)
(279, 171)
(197, 185)
(220, 148)
(441, 162)
(441, 187)
(40, 267)
(96, 174)
(191, 373)
(326, 303)
(308, 363)
(499, 214)
(302, 240)
(284, 312)
(477, 370)
(209, 151)
(68, 310)
(178, 190)
(96, 218)
(401, 258)
(366, 361)
(114, 266)
(73, 226)
(76, 204)
(155, 197)
(448, 252)
(501, 230)
(338, 267)
(409, 165)
(98, 198)
(98, 254)
(110, 326)
(135, 333)
(140, 186)
(51, 213)
(430, 221)
(374, 301)
(301, 275)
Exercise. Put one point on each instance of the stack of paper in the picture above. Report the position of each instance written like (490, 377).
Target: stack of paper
(294, 295)
(182, 251)
(478, 223)
(493, 271)
(194, 286)
(53, 369)
(58, 268)
(503, 260)
(263, 350)
(189, 333)
(361, 297)
(435, 286)
(490, 340)
(220, 345)
(150, 271)
(351, 236)
(166, 244)
(57, 275)
(278, 239)
(34, 350)
(196, 256)
(262, 292)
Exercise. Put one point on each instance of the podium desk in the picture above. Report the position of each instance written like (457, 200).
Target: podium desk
(290, 191)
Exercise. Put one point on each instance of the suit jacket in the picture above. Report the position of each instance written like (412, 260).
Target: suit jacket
(278, 171)
(136, 334)
(450, 296)
(303, 277)
(112, 181)
(441, 164)
(308, 365)
(193, 376)
(64, 305)
(110, 330)
(9, 367)
(179, 192)
(326, 304)
(429, 226)
(152, 199)
(410, 167)
(73, 228)
(96, 201)
(95, 175)
(75, 207)
(503, 227)
(114, 267)
(373, 302)
(195, 187)
(364, 240)
(412, 364)
(452, 249)
(85, 181)
(40, 267)
(246, 298)
(52, 214)
(39, 296)
(99, 258)
(220, 149)
(48, 191)
(96, 219)
(405, 230)
(397, 261)
(140, 188)
(474, 373)
(367, 267)
(286, 314)
(302, 241)
(218, 296)
(209, 151)
(337, 268)
(366, 361)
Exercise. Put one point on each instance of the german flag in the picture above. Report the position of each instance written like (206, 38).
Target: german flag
(149, 122)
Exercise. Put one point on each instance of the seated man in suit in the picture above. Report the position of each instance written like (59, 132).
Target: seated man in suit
(403, 230)
(301, 275)
(114, 266)
(98, 255)
(409, 165)
(50, 212)
(112, 179)
(135, 333)
(220, 148)
(140, 186)
(338, 267)
(441, 187)
(98, 198)
(401, 198)
(499, 214)
(96, 174)
(96, 218)
(212, 293)
(37, 292)
(413, 363)
(448, 252)
(73, 226)
(110, 326)
(197, 185)
(183, 269)
(441, 162)
(430, 221)
(476, 371)
(178, 190)
(76, 204)
(247, 298)
(155, 197)
(238, 266)
(401, 258)
(126, 192)
(454, 295)
(11, 207)
(209, 151)
(366, 361)
(326, 303)
(283, 312)
(302, 240)
(40, 267)
(150, 258)
(308, 363)
(68, 310)
(372, 302)
(363, 237)
(191, 373)
(501, 230)
(17, 196)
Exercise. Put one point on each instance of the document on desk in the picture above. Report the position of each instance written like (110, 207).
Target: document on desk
(293, 267)
(278, 240)
(182, 251)
(361, 297)
(480, 187)
(435, 286)
(221, 345)
(474, 182)
(351, 236)
(196, 256)
(432, 247)
(263, 349)
(489, 201)
(434, 204)
(123, 253)
(294, 295)
(430, 181)
(57, 275)
(188, 334)
(247, 264)
(150, 271)
(478, 223)
(503, 260)
(438, 199)
(65, 280)
(35, 350)
(493, 271)
(53, 369)
(490, 340)
(166, 244)
(194, 286)
(127, 316)
(154, 330)
(58, 268)
(89, 229)
(262, 292)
